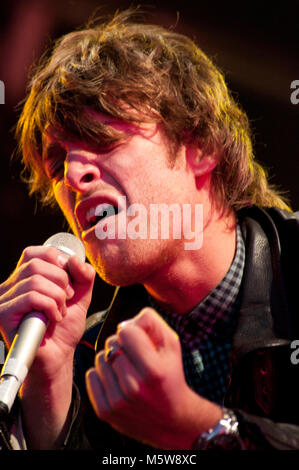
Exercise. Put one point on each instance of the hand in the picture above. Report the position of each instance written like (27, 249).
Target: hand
(41, 283)
(142, 391)
(61, 288)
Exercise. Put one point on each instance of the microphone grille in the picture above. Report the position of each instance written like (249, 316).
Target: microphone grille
(68, 244)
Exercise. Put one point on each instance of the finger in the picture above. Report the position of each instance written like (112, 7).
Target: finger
(31, 301)
(127, 375)
(96, 394)
(109, 382)
(147, 339)
(112, 346)
(154, 326)
(47, 253)
(31, 259)
(81, 273)
(46, 269)
(139, 349)
(82, 276)
(38, 283)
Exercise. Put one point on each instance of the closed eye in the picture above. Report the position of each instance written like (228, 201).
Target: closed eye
(104, 148)
(54, 158)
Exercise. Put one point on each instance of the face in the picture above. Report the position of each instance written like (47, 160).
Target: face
(136, 170)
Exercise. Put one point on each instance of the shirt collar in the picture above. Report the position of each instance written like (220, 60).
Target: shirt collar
(215, 311)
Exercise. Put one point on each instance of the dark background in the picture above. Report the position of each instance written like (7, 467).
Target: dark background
(255, 45)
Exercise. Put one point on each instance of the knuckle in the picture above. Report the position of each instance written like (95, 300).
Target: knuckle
(33, 266)
(146, 318)
(124, 333)
(51, 303)
(51, 253)
(132, 391)
(27, 253)
(51, 308)
(31, 298)
(146, 313)
(36, 300)
(35, 281)
(32, 301)
(38, 283)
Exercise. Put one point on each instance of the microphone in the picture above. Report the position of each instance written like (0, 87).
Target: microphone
(31, 332)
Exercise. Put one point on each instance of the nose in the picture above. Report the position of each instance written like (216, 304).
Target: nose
(81, 172)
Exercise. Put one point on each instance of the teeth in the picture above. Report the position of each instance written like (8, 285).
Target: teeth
(100, 211)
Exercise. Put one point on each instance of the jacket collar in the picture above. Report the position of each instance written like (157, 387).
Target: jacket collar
(259, 324)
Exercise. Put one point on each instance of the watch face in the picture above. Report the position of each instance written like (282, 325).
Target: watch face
(224, 436)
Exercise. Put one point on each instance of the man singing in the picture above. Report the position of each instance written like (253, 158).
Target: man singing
(193, 352)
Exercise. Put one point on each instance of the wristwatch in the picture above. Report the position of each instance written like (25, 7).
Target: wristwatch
(224, 436)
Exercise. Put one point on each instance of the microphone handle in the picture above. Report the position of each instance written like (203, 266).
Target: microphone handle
(20, 357)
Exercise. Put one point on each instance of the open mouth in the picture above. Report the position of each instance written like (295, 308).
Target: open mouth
(96, 209)
(96, 214)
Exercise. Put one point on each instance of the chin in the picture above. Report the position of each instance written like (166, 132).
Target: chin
(119, 276)
(113, 268)
(125, 264)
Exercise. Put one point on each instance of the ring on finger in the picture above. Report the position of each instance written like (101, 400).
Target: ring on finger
(112, 353)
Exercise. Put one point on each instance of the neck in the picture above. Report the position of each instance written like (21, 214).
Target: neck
(194, 274)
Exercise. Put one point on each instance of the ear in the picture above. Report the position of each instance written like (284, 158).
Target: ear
(200, 163)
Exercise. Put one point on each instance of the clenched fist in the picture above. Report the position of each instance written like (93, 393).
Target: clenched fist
(138, 386)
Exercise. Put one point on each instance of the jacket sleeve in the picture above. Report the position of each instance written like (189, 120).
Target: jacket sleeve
(263, 393)
(259, 433)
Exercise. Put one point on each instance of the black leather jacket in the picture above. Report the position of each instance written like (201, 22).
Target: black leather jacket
(263, 389)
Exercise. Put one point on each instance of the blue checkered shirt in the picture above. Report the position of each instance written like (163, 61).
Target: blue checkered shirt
(206, 332)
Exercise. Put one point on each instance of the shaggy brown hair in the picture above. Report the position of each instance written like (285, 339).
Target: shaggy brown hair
(156, 71)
